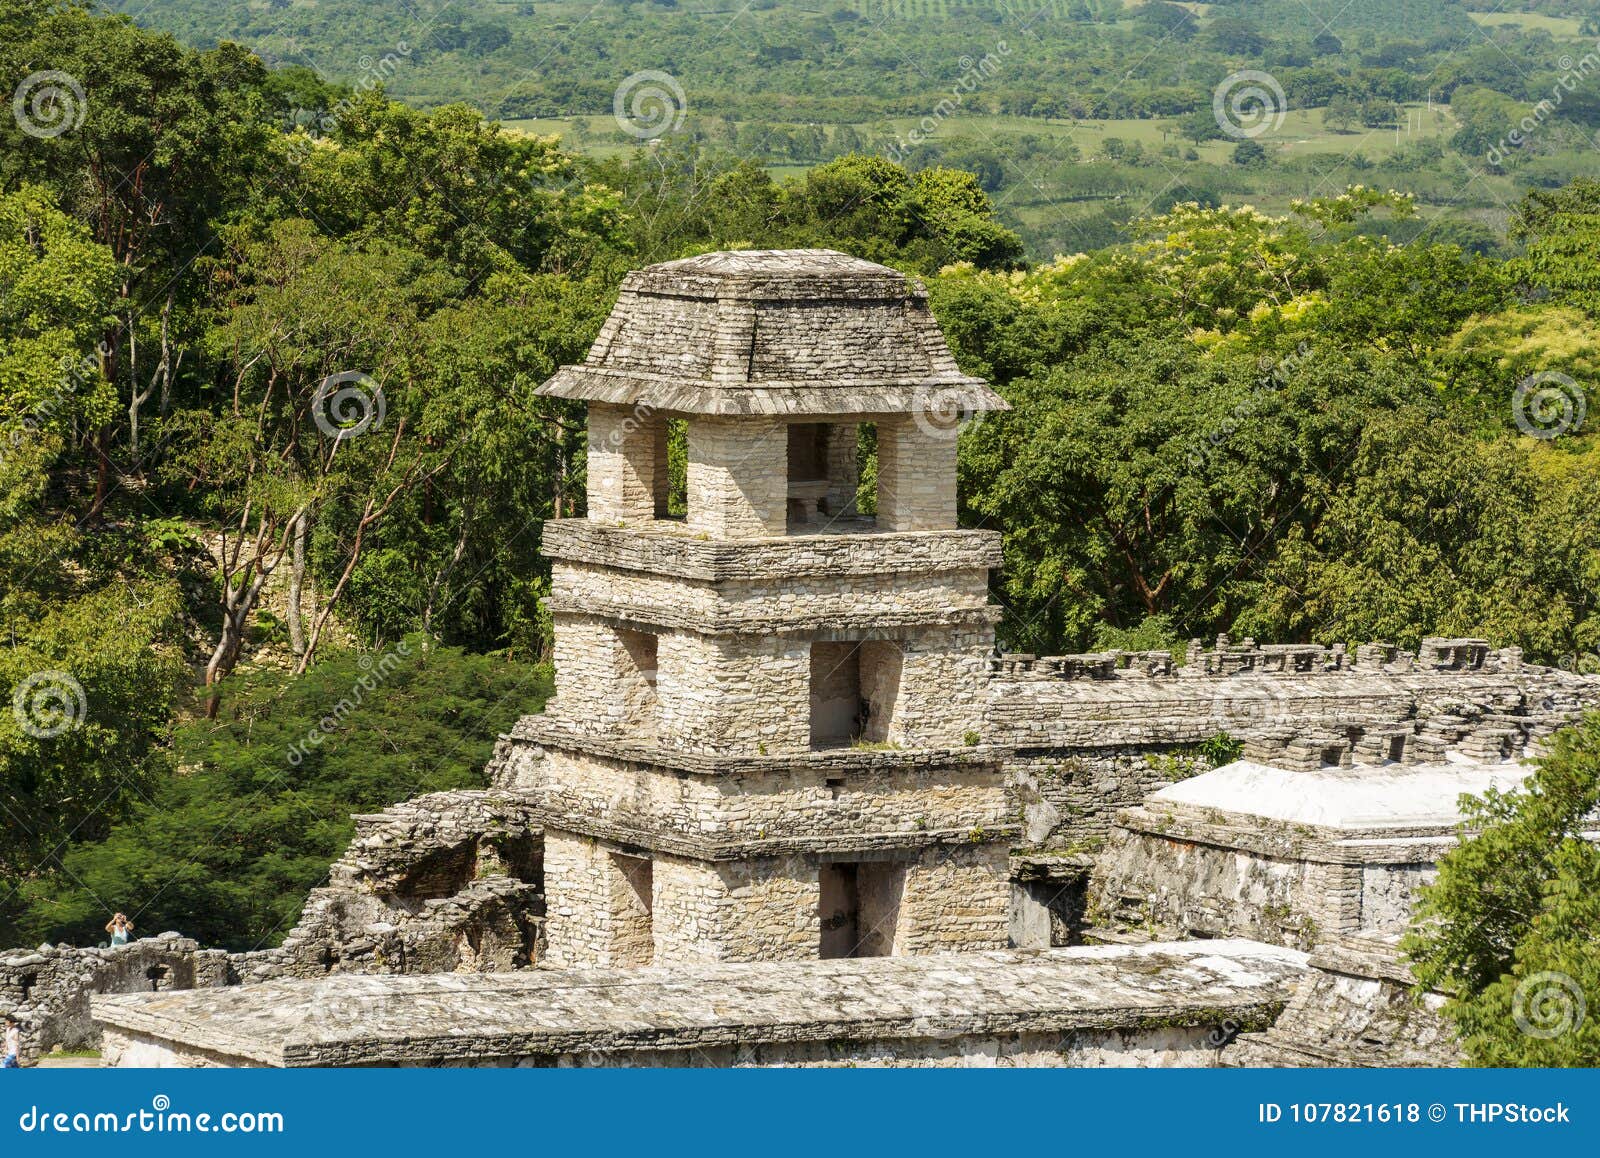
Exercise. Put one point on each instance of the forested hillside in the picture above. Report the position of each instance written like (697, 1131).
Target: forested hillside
(1076, 115)
(269, 441)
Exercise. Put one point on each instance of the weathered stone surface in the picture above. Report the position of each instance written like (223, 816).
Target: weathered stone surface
(1356, 1008)
(769, 332)
(1289, 857)
(48, 989)
(441, 883)
(1158, 1004)
(1088, 735)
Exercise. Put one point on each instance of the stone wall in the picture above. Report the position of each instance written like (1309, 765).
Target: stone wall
(442, 883)
(749, 606)
(889, 802)
(762, 909)
(1092, 734)
(1068, 798)
(1176, 887)
(48, 989)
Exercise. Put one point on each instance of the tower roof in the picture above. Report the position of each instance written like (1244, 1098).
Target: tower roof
(781, 332)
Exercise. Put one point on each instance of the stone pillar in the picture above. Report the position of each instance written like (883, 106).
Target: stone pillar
(738, 477)
(627, 466)
(844, 473)
(916, 476)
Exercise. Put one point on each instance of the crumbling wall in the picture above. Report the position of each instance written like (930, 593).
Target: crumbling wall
(449, 882)
(1357, 1007)
(48, 989)
(1185, 887)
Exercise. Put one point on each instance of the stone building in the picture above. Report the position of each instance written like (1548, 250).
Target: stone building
(783, 747)
(767, 739)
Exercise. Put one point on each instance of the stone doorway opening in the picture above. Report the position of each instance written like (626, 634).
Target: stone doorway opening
(859, 908)
(822, 475)
(633, 910)
(854, 686)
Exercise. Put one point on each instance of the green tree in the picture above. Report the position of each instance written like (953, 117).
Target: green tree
(1341, 113)
(90, 617)
(227, 851)
(160, 144)
(1509, 928)
(1487, 540)
(1560, 229)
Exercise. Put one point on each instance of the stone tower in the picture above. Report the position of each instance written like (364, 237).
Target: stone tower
(766, 742)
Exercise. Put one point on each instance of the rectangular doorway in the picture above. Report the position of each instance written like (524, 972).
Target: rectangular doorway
(632, 910)
(859, 908)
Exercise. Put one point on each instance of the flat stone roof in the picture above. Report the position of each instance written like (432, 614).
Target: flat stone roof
(1361, 797)
(350, 1019)
(793, 332)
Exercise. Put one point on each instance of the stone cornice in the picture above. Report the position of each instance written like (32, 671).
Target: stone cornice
(669, 549)
(548, 732)
(692, 848)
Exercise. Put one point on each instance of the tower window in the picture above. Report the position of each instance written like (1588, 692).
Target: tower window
(854, 687)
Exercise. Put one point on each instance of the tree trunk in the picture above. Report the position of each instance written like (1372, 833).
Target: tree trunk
(297, 579)
(235, 617)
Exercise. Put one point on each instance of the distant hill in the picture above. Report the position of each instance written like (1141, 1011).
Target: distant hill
(834, 60)
(1076, 115)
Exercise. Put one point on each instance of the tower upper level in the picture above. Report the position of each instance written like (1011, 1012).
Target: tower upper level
(771, 332)
(773, 360)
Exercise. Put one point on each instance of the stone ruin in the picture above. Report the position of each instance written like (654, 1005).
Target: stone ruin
(49, 989)
(784, 747)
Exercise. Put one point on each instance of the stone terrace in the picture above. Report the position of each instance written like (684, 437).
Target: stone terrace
(1142, 1005)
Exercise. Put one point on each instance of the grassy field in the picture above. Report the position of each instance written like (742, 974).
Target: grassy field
(1558, 26)
(1301, 132)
